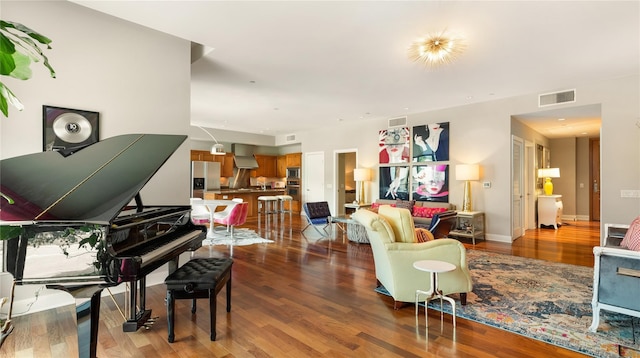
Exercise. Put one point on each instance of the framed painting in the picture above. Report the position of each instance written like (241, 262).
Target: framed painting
(430, 182)
(431, 142)
(393, 144)
(68, 129)
(394, 183)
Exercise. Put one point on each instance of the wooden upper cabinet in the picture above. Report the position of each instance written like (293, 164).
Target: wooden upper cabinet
(266, 166)
(281, 166)
(227, 165)
(294, 160)
(202, 155)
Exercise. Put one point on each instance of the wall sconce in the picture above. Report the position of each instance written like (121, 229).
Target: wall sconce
(467, 172)
(361, 175)
(548, 173)
(216, 149)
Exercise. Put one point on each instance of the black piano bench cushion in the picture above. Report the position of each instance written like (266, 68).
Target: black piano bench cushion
(198, 274)
(198, 278)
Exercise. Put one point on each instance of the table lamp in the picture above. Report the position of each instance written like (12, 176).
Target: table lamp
(548, 173)
(361, 175)
(467, 172)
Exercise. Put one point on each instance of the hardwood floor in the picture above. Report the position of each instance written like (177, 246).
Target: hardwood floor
(300, 297)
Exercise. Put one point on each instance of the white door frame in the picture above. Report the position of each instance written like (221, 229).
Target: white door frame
(337, 152)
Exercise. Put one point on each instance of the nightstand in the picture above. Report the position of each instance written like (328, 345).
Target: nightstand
(469, 224)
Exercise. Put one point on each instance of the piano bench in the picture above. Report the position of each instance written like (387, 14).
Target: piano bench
(198, 278)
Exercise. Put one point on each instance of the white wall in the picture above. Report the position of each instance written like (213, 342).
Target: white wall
(139, 82)
(481, 133)
(137, 79)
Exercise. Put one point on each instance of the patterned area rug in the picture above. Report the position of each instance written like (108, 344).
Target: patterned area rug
(543, 300)
(241, 237)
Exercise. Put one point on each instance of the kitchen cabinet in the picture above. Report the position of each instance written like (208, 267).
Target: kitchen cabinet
(226, 168)
(281, 166)
(266, 166)
(226, 161)
(202, 155)
(294, 159)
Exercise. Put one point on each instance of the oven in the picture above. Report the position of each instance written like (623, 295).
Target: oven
(293, 188)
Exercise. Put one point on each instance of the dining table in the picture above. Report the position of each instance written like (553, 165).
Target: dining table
(212, 206)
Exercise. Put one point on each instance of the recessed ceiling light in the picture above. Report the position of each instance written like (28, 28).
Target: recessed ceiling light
(252, 81)
(561, 119)
(469, 97)
(276, 108)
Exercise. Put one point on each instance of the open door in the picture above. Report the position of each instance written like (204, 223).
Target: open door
(517, 187)
(594, 179)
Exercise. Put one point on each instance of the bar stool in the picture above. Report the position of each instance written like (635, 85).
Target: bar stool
(282, 199)
(267, 205)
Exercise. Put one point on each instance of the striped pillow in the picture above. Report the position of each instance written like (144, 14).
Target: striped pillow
(632, 238)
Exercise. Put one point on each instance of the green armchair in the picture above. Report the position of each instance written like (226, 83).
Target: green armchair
(395, 248)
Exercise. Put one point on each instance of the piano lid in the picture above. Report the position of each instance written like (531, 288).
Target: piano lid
(91, 185)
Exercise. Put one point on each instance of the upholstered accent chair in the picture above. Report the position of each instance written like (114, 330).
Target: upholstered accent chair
(395, 248)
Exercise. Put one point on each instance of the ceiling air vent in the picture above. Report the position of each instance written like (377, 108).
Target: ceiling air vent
(290, 138)
(398, 122)
(548, 99)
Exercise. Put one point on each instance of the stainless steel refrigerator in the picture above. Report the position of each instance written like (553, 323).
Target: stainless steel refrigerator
(205, 176)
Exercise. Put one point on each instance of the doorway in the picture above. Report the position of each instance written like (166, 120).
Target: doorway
(594, 179)
(346, 188)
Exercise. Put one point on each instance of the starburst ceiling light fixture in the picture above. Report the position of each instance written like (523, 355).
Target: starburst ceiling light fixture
(436, 49)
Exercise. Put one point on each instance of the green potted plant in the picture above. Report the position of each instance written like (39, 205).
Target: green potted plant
(19, 47)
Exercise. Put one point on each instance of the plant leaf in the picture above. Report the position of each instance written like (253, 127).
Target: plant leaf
(7, 49)
(7, 96)
(9, 232)
(22, 70)
(26, 30)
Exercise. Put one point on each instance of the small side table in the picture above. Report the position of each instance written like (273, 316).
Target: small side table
(349, 208)
(469, 224)
(434, 267)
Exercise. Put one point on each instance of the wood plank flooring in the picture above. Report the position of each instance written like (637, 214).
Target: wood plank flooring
(305, 297)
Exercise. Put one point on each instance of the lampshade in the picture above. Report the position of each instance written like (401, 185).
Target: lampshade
(361, 174)
(216, 149)
(549, 173)
(467, 172)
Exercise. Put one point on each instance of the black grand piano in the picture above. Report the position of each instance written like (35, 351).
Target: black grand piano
(85, 204)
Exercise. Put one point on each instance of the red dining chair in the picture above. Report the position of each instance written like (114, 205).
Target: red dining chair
(237, 216)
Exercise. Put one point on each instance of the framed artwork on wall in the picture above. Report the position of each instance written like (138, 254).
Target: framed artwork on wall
(431, 142)
(430, 182)
(393, 144)
(394, 183)
(68, 129)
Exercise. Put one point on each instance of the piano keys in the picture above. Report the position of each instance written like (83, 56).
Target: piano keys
(76, 222)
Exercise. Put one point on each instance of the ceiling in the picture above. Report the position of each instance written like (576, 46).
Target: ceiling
(278, 68)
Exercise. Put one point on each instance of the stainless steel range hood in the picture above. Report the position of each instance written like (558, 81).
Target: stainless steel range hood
(244, 162)
(243, 156)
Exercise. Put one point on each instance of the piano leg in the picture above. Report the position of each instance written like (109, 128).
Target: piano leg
(137, 318)
(87, 316)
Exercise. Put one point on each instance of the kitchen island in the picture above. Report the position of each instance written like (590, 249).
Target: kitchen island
(249, 195)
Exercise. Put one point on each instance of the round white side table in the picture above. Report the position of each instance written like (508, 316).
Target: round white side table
(434, 267)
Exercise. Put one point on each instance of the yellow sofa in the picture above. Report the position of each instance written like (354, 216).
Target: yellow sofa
(392, 236)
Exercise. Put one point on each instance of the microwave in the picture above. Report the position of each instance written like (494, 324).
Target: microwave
(293, 172)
